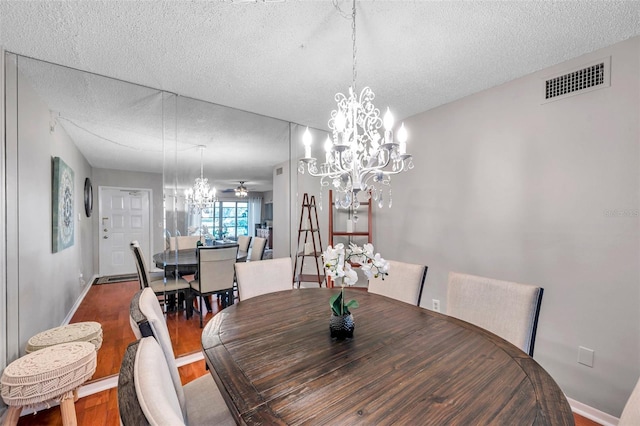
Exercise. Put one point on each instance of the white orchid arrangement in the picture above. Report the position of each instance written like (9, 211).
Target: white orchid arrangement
(338, 263)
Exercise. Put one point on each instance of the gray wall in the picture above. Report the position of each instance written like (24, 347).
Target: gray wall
(281, 211)
(47, 284)
(510, 188)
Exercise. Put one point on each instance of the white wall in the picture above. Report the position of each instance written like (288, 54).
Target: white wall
(510, 188)
(47, 284)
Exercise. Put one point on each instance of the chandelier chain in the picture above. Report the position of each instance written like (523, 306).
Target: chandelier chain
(353, 38)
(201, 162)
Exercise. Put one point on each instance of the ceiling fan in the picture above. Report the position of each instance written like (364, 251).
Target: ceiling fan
(240, 191)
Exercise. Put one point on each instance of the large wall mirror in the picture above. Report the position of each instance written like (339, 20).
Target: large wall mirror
(137, 145)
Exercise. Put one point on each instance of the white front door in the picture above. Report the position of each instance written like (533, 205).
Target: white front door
(124, 217)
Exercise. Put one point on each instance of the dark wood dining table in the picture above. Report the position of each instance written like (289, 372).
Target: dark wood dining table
(275, 363)
(185, 261)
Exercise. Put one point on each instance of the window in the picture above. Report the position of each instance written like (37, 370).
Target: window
(228, 219)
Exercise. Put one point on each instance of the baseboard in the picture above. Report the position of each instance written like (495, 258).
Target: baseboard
(592, 414)
(76, 305)
(188, 359)
(98, 386)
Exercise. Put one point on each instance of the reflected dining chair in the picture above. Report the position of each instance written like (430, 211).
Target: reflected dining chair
(507, 309)
(631, 412)
(404, 282)
(244, 241)
(257, 249)
(161, 287)
(267, 276)
(147, 320)
(146, 395)
(215, 275)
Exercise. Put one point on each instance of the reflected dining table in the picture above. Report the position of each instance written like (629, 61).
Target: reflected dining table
(185, 261)
(275, 363)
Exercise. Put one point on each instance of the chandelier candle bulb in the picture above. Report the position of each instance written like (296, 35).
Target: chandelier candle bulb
(388, 125)
(328, 145)
(402, 138)
(306, 140)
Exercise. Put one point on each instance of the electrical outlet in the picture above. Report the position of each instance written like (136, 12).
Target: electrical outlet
(436, 305)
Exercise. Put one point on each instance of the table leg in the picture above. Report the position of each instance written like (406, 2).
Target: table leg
(12, 416)
(68, 409)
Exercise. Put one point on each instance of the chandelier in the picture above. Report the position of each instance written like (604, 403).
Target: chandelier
(241, 191)
(201, 196)
(357, 156)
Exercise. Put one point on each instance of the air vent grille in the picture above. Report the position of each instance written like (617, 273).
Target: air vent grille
(594, 76)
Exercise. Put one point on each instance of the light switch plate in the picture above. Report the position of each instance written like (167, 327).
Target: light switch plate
(585, 356)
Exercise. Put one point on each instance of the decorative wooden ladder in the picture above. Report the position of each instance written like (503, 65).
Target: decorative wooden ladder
(337, 232)
(309, 243)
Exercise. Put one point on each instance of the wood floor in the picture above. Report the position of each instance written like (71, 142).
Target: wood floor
(109, 305)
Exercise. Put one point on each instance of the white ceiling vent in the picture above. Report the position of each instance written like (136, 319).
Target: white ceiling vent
(594, 76)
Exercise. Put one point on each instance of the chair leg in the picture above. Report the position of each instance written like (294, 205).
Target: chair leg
(190, 300)
(12, 416)
(68, 410)
(201, 309)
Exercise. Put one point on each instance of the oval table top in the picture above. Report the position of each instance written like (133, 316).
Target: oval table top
(186, 261)
(275, 363)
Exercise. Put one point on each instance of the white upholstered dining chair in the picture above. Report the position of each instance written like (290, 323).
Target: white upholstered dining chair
(257, 249)
(631, 413)
(161, 287)
(244, 241)
(215, 274)
(147, 320)
(404, 282)
(146, 394)
(505, 308)
(267, 276)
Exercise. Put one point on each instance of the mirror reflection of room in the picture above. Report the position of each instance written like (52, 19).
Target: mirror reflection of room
(141, 151)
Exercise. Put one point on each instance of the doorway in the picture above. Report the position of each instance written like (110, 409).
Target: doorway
(124, 216)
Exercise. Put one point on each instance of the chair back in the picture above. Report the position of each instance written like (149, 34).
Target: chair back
(509, 310)
(215, 268)
(244, 241)
(184, 242)
(141, 264)
(631, 413)
(145, 394)
(147, 320)
(257, 250)
(267, 276)
(404, 282)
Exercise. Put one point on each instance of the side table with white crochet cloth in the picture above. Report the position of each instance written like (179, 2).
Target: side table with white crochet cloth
(47, 375)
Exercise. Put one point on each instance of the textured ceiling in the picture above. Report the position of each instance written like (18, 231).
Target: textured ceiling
(288, 59)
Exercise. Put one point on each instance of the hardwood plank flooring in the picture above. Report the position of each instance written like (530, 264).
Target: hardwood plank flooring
(109, 305)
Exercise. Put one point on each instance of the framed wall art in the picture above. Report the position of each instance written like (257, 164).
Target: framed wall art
(62, 208)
